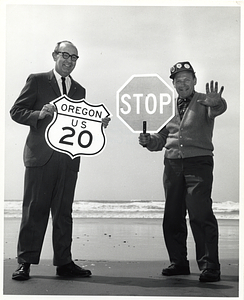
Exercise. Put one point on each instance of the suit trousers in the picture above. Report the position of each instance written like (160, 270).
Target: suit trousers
(47, 188)
(188, 186)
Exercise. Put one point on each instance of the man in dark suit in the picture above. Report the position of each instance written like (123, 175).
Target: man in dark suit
(50, 176)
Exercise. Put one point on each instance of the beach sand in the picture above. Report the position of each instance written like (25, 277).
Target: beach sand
(126, 257)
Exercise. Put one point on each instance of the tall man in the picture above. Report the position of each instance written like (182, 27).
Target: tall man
(188, 173)
(50, 176)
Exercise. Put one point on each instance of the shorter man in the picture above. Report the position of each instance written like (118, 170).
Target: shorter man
(188, 173)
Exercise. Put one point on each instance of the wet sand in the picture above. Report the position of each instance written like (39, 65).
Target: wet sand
(126, 257)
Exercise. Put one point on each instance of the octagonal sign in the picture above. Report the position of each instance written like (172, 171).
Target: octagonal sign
(145, 97)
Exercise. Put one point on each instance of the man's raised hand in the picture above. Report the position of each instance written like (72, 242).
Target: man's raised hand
(213, 97)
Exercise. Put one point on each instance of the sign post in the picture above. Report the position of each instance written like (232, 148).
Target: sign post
(76, 128)
(145, 98)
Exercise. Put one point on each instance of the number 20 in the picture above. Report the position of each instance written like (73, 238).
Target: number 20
(63, 139)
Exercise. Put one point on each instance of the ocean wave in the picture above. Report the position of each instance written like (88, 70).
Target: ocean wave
(124, 209)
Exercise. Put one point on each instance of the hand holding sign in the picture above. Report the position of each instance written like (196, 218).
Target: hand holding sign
(144, 137)
(47, 110)
(105, 121)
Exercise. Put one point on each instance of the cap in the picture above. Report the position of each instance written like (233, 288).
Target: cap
(179, 67)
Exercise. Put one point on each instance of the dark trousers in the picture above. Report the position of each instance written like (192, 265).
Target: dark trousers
(188, 186)
(47, 188)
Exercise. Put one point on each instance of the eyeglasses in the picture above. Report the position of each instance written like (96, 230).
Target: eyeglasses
(66, 55)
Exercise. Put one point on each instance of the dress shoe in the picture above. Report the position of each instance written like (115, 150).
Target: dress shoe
(72, 270)
(210, 275)
(22, 273)
(176, 270)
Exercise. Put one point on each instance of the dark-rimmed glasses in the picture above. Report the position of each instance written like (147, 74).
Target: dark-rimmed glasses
(66, 55)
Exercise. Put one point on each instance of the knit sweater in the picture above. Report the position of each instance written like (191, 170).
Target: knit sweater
(191, 136)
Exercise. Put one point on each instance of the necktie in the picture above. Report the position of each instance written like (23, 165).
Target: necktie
(183, 104)
(64, 85)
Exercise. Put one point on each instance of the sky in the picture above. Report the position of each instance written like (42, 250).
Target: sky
(114, 43)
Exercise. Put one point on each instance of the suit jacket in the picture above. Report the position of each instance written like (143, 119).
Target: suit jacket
(39, 90)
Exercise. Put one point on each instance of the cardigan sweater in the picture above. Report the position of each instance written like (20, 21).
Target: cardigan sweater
(191, 136)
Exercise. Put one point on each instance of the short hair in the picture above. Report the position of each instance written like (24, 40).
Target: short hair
(56, 49)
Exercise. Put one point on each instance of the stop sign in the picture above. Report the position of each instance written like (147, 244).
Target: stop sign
(145, 98)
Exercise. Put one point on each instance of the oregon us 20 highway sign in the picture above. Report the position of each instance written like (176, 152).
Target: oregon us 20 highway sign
(76, 128)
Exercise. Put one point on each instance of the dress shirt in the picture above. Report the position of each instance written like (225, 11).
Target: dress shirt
(59, 80)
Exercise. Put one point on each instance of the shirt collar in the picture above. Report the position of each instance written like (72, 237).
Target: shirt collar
(58, 78)
(57, 75)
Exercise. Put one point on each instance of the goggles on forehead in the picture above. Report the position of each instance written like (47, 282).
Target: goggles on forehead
(179, 67)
